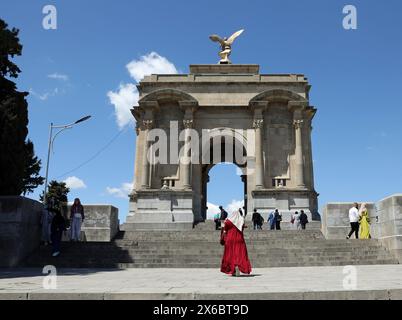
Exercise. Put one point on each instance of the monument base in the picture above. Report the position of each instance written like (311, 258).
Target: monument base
(287, 201)
(160, 210)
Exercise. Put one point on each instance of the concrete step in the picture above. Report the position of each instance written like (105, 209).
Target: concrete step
(265, 244)
(117, 254)
(212, 249)
(260, 260)
(256, 264)
(139, 249)
(177, 253)
(208, 233)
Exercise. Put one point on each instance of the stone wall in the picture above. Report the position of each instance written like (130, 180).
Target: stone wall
(335, 219)
(389, 226)
(20, 230)
(101, 222)
(386, 222)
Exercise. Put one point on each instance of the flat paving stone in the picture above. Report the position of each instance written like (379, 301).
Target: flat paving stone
(372, 282)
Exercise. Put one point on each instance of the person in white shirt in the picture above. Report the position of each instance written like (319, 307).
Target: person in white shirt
(295, 219)
(354, 221)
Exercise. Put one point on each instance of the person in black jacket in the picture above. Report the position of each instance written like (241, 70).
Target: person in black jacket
(57, 228)
(303, 219)
(257, 220)
(224, 214)
(278, 219)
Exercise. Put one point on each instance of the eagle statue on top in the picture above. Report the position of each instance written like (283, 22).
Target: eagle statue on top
(226, 45)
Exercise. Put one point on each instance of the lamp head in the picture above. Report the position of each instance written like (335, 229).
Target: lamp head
(82, 119)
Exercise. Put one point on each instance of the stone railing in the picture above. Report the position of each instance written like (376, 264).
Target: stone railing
(385, 216)
(20, 229)
(101, 222)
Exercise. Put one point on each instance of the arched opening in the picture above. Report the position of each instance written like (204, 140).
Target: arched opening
(226, 186)
(226, 158)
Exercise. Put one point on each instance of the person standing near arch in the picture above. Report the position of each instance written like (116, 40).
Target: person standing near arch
(235, 256)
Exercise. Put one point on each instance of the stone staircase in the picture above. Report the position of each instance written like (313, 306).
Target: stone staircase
(200, 248)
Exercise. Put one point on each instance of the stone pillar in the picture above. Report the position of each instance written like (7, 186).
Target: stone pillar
(259, 168)
(147, 125)
(137, 180)
(188, 125)
(299, 172)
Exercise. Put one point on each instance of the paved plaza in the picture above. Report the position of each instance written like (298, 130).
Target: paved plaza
(372, 282)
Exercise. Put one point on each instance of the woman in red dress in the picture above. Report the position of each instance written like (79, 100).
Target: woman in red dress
(235, 257)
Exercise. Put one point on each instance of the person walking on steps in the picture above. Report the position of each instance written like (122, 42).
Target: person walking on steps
(295, 220)
(46, 223)
(278, 220)
(235, 257)
(272, 220)
(354, 221)
(303, 219)
(258, 220)
(364, 220)
(58, 226)
(223, 216)
(217, 220)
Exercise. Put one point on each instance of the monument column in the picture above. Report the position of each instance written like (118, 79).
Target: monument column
(147, 125)
(299, 178)
(259, 168)
(259, 107)
(186, 165)
(185, 162)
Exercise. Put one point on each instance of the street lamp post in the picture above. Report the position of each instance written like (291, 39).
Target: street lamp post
(51, 141)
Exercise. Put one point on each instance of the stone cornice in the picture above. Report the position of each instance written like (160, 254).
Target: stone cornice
(149, 105)
(262, 105)
(297, 105)
(186, 105)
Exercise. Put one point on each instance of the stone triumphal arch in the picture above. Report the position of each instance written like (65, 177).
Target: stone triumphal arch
(186, 123)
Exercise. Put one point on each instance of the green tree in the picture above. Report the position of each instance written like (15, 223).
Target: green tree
(31, 178)
(57, 194)
(19, 168)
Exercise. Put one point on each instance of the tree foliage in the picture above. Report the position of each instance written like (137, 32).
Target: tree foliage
(19, 167)
(57, 194)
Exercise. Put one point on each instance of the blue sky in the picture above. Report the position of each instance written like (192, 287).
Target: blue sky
(355, 76)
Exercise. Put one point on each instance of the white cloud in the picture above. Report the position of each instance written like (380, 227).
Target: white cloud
(234, 206)
(75, 183)
(58, 76)
(151, 63)
(123, 100)
(230, 208)
(44, 96)
(239, 171)
(121, 192)
(127, 95)
(212, 210)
